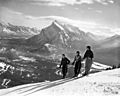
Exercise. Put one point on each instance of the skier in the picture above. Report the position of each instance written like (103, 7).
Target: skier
(88, 56)
(77, 63)
(64, 65)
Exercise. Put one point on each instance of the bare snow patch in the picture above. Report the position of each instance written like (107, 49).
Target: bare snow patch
(27, 58)
(100, 66)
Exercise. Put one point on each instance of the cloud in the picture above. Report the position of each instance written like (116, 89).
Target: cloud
(76, 8)
(105, 2)
(89, 8)
(83, 25)
(48, 3)
(59, 2)
(17, 13)
(69, 2)
(30, 17)
(5, 9)
(86, 26)
(43, 21)
(116, 30)
(86, 1)
(110, 1)
(62, 20)
(9, 15)
(55, 4)
(99, 11)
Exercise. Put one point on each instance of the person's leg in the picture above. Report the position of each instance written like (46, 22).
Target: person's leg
(76, 70)
(79, 68)
(86, 69)
(88, 66)
(64, 72)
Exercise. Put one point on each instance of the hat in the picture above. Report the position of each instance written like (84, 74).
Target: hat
(89, 47)
(78, 52)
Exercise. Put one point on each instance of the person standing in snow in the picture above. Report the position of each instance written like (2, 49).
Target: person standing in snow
(77, 63)
(64, 65)
(88, 56)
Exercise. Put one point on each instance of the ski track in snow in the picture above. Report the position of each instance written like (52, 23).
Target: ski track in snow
(106, 83)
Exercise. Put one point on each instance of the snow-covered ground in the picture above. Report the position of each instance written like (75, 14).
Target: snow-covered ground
(97, 65)
(27, 58)
(106, 83)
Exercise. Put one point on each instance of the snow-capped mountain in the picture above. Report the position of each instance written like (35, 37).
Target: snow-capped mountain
(10, 31)
(61, 35)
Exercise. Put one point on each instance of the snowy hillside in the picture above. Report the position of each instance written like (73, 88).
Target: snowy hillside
(106, 83)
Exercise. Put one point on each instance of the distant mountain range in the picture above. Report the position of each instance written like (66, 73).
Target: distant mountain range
(13, 31)
(108, 50)
(60, 38)
(111, 42)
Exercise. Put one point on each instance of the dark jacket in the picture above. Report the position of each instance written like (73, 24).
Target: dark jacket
(77, 60)
(64, 62)
(88, 54)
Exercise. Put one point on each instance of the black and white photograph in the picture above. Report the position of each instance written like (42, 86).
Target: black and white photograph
(59, 47)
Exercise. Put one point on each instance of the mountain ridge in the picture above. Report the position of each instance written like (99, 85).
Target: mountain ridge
(9, 31)
(60, 34)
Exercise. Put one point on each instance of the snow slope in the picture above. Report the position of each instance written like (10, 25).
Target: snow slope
(106, 83)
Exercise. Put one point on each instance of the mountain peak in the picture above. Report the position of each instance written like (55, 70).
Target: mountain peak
(61, 35)
(57, 24)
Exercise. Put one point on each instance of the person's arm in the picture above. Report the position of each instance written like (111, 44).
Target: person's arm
(74, 61)
(80, 58)
(92, 55)
(60, 64)
(85, 55)
(68, 61)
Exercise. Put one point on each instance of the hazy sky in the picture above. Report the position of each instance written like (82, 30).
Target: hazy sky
(98, 16)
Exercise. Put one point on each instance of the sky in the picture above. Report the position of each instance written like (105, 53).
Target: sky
(101, 17)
